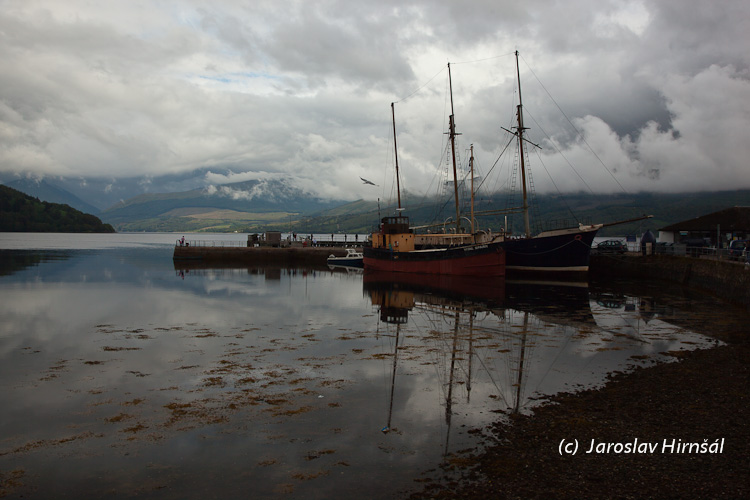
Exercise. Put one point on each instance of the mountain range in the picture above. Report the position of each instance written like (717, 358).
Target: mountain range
(242, 206)
(260, 205)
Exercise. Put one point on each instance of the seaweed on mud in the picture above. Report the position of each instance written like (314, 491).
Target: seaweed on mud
(47, 443)
(136, 428)
(307, 476)
(119, 418)
(11, 481)
(317, 454)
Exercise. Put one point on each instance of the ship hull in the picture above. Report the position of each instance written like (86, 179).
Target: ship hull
(473, 260)
(563, 253)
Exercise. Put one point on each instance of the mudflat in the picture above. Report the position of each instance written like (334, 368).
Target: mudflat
(639, 427)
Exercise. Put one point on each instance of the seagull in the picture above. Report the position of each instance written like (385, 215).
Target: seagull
(368, 182)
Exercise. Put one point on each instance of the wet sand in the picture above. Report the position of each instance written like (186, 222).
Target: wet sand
(702, 396)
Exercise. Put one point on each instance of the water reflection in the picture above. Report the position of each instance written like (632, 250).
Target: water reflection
(202, 381)
(520, 342)
(12, 261)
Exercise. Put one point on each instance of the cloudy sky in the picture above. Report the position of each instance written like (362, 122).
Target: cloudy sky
(230, 90)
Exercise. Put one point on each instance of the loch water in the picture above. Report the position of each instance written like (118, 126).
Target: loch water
(123, 374)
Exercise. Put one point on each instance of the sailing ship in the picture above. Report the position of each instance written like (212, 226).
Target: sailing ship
(565, 250)
(561, 253)
(393, 247)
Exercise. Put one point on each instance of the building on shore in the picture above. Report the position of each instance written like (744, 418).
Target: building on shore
(723, 227)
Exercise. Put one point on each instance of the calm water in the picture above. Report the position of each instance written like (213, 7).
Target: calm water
(122, 375)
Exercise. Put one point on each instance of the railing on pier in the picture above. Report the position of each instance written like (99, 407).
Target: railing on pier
(699, 252)
(334, 240)
(212, 243)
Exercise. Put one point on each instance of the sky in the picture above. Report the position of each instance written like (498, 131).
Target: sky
(619, 96)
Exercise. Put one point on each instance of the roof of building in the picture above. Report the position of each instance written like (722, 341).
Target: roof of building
(730, 219)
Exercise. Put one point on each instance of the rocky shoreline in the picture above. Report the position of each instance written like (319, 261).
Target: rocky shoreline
(700, 398)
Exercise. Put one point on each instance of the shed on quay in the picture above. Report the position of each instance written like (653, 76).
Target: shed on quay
(718, 227)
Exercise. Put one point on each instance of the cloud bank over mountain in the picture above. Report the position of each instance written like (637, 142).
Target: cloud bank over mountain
(188, 94)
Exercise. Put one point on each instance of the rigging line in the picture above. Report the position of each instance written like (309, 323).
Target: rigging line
(486, 58)
(552, 180)
(495, 164)
(541, 161)
(576, 129)
(425, 199)
(499, 183)
(435, 339)
(421, 87)
(558, 150)
(556, 358)
(446, 145)
(438, 176)
(489, 374)
(564, 200)
(388, 163)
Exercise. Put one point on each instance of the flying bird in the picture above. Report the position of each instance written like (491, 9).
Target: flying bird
(368, 182)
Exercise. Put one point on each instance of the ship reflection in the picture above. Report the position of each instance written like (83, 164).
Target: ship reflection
(481, 327)
(506, 346)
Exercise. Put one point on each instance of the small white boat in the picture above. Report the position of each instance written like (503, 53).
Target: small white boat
(352, 258)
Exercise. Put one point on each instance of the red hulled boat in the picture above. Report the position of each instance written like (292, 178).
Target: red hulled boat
(393, 250)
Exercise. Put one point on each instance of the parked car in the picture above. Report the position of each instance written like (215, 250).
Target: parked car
(736, 248)
(611, 246)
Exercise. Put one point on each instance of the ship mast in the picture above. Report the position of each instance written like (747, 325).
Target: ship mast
(395, 149)
(452, 127)
(471, 163)
(526, 224)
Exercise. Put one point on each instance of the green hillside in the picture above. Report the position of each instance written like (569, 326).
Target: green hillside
(22, 213)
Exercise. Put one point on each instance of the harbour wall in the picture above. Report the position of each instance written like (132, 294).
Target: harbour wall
(722, 278)
(256, 255)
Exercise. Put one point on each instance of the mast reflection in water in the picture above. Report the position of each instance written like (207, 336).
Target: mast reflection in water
(504, 346)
